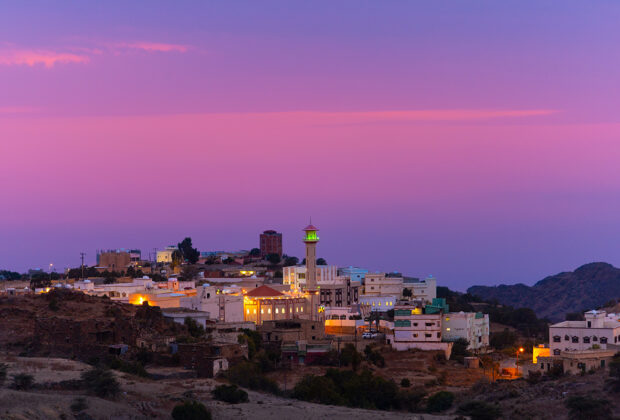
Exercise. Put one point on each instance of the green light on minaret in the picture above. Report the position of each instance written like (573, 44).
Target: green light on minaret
(311, 236)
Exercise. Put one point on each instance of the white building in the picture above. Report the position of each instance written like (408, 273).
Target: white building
(378, 303)
(472, 326)
(422, 289)
(295, 275)
(413, 329)
(598, 328)
(354, 273)
(383, 284)
(221, 306)
(115, 291)
(165, 256)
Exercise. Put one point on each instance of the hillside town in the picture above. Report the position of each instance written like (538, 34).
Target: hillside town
(215, 314)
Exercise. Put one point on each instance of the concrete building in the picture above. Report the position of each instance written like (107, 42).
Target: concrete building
(383, 284)
(270, 243)
(577, 361)
(178, 315)
(342, 292)
(114, 260)
(354, 273)
(221, 306)
(267, 304)
(421, 289)
(472, 326)
(292, 330)
(165, 256)
(295, 275)
(599, 329)
(414, 329)
(378, 303)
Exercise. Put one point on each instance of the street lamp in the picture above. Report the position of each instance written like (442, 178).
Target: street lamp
(521, 350)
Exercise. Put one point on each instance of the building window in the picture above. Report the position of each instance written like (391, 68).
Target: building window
(575, 339)
(268, 310)
(415, 324)
(448, 329)
(262, 311)
(254, 311)
(247, 311)
(415, 335)
(594, 338)
(566, 338)
(589, 324)
(542, 365)
(603, 340)
(556, 339)
(586, 340)
(428, 335)
(556, 352)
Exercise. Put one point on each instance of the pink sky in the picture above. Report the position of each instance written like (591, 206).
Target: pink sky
(420, 138)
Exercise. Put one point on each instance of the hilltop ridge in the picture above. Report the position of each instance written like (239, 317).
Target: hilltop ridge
(588, 287)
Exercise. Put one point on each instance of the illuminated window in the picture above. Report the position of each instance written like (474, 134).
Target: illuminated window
(448, 318)
(247, 311)
(448, 329)
(269, 310)
(276, 310)
(297, 309)
(262, 311)
(254, 311)
(302, 309)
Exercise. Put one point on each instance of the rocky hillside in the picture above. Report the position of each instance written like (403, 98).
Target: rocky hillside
(588, 287)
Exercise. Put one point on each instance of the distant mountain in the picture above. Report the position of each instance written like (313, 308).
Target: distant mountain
(588, 287)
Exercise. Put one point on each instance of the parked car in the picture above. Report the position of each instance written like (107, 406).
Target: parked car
(369, 334)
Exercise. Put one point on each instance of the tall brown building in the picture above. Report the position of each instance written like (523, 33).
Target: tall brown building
(114, 260)
(270, 243)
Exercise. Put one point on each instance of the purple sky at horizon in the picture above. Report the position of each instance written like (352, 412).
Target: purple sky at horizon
(476, 141)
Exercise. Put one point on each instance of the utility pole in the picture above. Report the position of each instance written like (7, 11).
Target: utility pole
(82, 254)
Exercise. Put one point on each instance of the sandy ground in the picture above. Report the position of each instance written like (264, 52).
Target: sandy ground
(143, 398)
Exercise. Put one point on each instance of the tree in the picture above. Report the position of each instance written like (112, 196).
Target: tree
(189, 272)
(230, 394)
(405, 383)
(350, 356)
(189, 254)
(40, 281)
(191, 410)
(177, 258)
(440, 401)
(255, 252)
(479, 410)
(101, 382)
(195, 329)
(288, 261)
(584, 408)
(273, 258)
(407, 293)
(22, 381)
(321, 261)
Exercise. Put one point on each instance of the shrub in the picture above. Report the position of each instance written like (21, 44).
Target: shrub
(133, 368)
(230, 394)
(585, 408)
(101, 382)
(249, 375)
(22, 381)
(405, 383)
(3, 369)
(440, 401)
(411, 400)
(346, 387)
(459, 350)
(534, 377)
(79, 404)
(191, 410)
(479, 410)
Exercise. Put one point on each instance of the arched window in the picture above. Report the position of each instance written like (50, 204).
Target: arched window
(556, 352)
(557, 338)
(566, 337)
(603, 340)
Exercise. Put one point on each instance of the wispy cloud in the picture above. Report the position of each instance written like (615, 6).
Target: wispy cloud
(16, 109)
(34, 57)
(12, 55)
(152, 46)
